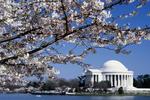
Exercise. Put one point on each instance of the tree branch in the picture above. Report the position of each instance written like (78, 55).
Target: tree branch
(49, 43)
(19, 35)
(65, 15)
(60, 37)
(113, 4)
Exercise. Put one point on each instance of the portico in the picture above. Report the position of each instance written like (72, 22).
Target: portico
(119, 79)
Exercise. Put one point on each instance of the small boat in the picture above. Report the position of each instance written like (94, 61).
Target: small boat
(38, 95)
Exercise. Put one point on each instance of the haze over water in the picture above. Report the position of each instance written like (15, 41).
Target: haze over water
(57, 97)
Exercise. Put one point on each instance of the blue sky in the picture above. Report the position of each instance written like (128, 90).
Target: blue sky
(139, 59)
(141, 19)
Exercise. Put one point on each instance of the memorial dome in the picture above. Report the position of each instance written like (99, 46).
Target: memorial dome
(113, 66)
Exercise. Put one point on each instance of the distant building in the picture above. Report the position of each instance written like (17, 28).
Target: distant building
(114, 72)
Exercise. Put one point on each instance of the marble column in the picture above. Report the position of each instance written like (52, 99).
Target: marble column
(115, 80)
(125, 81)
(95, 78)
(104, 78)
(92, 79)
(118, 80)
(131, 79)
(121, 80)
(111, 80)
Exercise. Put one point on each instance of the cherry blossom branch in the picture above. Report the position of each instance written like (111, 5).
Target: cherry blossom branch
(66, 25)
(113, 4)
(19, 35)
(60, 37)
(65, 16)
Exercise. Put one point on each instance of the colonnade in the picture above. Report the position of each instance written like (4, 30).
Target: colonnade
(119, 80)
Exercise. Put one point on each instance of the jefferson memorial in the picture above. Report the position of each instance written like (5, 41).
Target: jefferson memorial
(114, 72)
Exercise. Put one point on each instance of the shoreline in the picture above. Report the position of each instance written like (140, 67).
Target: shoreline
(110, 94)
(80, 94)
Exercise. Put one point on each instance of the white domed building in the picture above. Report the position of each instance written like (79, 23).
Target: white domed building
(114, 72)
(117, 74)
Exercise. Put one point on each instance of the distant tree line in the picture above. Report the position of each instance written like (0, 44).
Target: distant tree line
(142, 81)
(78, 84)
(52, 84)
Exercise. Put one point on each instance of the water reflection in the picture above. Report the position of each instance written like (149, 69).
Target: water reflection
(57, 97)
(113, 98)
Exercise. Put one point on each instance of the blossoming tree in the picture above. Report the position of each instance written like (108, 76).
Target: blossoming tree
(33, 31)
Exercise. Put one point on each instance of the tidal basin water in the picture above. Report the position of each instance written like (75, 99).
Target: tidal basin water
(56, 97)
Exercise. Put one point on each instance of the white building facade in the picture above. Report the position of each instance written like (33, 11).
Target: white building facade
(114, 72)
